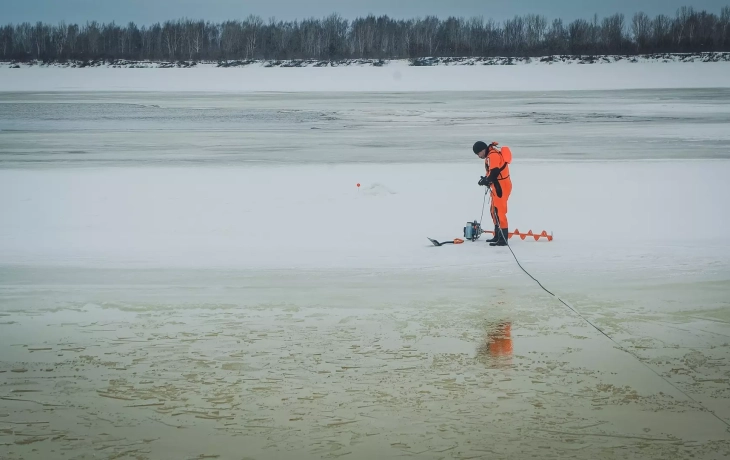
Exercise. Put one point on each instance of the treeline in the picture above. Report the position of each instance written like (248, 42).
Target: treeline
(370, 37)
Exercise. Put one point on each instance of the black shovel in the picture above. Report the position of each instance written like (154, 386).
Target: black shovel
(436, 243)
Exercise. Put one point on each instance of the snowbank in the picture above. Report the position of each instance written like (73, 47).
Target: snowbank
(556, 73)
(423, 61)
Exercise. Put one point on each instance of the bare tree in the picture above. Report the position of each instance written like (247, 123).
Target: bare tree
(641, 28)
(59, 37)
(198, 36)
(406, 32)
(452, 35)
(41, 36)
(724, 26)
(430, 31)
(251, 30)
(535, 30)
(92, 34)
(514, 35)
(681, 23)
(556, 41)
(24, 37)
(72, 38)
(661, 32)
(492, 38)
(6, 40)
(612, 33)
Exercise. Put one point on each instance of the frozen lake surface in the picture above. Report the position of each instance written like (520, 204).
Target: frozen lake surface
(195, 275)
(110, 128)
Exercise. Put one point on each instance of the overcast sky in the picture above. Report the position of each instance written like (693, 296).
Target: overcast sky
(150, 11)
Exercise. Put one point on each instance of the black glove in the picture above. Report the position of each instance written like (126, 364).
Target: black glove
(484, 181)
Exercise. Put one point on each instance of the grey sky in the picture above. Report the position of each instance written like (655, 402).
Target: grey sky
(150, 11)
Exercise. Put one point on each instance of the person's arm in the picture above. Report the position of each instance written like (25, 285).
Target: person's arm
(495, 164)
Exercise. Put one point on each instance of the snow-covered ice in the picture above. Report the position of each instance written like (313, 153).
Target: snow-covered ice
(192, 274)
(395, 76)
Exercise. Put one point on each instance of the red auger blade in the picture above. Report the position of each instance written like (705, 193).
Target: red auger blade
(522, 236)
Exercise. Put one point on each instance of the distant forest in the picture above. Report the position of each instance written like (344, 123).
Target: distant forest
(371, 37)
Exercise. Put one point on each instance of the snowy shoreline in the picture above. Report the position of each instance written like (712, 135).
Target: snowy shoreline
(708, 57)
(392, 76)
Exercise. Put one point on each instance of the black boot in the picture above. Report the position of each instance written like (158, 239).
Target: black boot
(502, 240)
(495, 237)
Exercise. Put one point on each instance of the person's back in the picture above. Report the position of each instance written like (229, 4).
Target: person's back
(495, 161)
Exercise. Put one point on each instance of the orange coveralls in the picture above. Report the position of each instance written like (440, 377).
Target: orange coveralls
(498, 210)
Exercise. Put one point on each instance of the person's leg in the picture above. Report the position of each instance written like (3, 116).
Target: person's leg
(493, 213)
(501, 230)
(500, 205)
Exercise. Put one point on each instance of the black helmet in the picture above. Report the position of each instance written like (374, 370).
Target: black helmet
(479, 146)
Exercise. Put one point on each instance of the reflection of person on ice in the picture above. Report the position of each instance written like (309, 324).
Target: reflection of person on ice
(498, 180)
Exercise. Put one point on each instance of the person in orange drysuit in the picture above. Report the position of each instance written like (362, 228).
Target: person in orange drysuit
(498, 179)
